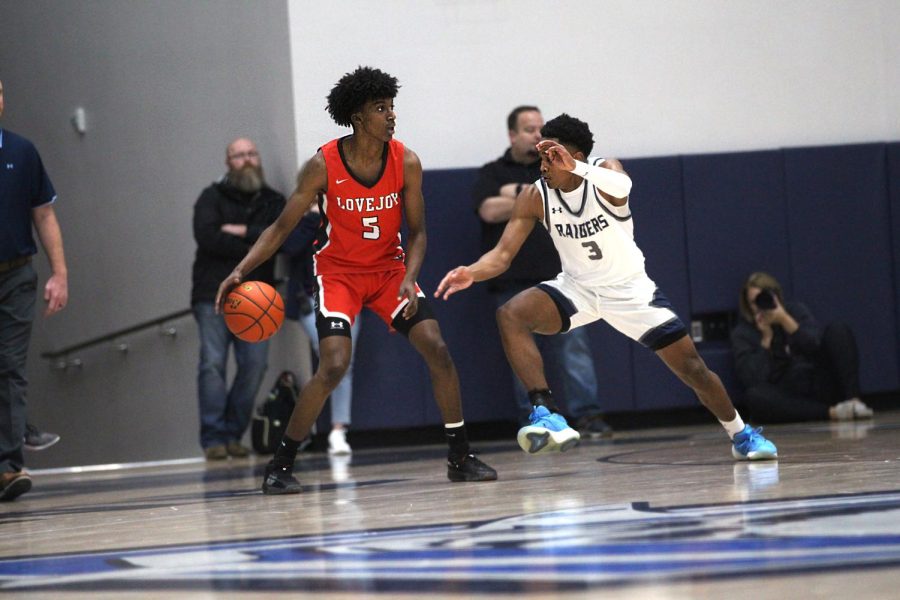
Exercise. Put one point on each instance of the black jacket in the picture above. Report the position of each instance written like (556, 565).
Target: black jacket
(299, 249)
(790, 361)
(218, 253)
(538, 259)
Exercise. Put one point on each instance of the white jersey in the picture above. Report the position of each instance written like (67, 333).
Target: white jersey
(595, 239)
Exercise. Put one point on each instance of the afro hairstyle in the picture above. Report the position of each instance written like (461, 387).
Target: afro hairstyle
(569, 131)
(351, 93)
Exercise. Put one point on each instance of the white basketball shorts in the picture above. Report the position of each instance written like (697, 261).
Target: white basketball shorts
(636, 308)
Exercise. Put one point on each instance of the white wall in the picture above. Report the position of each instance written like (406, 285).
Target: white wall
(651, 77)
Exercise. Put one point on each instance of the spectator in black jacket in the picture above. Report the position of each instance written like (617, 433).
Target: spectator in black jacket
(792, 369)
(228, 218)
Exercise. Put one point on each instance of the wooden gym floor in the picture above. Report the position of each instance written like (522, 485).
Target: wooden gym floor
(661, 513)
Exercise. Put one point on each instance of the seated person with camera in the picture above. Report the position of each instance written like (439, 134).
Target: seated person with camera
(792, 369)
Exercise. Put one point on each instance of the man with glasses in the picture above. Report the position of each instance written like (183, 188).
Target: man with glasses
(228, 218)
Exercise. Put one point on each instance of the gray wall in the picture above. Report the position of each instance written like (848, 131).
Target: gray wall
(166, 85)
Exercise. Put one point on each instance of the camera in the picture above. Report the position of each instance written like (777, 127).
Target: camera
(765, 300)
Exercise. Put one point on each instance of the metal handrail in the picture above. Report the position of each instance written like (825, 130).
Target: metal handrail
(116, 334)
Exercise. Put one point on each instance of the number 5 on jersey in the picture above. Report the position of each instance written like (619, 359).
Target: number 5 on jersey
(372, 230)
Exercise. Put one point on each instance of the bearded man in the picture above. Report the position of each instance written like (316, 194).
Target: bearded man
(228, 218)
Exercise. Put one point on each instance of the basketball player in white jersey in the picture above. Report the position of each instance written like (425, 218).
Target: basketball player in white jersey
(583, 204)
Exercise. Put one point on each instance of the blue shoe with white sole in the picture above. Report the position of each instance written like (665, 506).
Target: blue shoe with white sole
(749, 444)
(548, 432)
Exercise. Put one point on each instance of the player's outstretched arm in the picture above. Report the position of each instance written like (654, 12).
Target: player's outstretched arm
(527, 211)
(456, 280)
(311, 180)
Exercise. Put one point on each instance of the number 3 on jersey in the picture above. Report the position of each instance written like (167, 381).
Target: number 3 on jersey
(595, 252)
(372, 230)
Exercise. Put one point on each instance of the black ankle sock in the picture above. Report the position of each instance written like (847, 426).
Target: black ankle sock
(286, 453)
(543, 398)
(458, 441)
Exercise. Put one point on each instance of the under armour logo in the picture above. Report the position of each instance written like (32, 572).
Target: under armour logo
(555, 210)
(337, 324)
(10, 166)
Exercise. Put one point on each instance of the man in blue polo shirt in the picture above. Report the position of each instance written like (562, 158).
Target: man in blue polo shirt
(26, 199)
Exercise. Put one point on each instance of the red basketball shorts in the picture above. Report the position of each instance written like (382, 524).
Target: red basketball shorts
(340, 298)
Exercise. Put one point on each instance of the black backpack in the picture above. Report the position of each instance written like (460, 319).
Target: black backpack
(272, 415)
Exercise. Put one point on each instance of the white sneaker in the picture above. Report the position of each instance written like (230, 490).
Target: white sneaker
(861, 410)
(340, 467)
(337, 442)
(843, 411)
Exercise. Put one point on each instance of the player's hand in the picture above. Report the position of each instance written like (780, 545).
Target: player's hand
(408, 290)
(455, 281)
(56, 294)
(779, 315)
(764, 325)
(225, 287)
(556, 154)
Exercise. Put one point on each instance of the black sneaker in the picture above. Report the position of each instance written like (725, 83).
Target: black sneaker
(35, 439)
(279, 481)
(469, 468)
(593, 426)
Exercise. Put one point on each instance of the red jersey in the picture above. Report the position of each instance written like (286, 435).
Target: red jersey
(360, 228)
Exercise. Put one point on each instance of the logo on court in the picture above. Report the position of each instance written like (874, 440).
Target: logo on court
(584, 547)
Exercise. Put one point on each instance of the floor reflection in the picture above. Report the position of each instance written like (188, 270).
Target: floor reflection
(752, 478)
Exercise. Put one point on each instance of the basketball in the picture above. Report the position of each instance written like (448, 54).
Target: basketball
(253, 311)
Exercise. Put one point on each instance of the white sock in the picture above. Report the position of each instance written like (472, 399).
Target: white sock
(454, 425)
(735, 426)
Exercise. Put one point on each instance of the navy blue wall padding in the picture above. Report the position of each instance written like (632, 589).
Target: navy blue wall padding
(467, 318)
(391, 383)
(893, 177)
(735, 212)
(657, 204)
(655, 386)
(718, 357)
(612, 362)
(840, 232)
(825, 221)
(390, 380)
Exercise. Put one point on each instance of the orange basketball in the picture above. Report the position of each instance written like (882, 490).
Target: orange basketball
(253, 311)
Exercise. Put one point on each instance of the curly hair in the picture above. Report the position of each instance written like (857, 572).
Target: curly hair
(350, 94)
(569, 131)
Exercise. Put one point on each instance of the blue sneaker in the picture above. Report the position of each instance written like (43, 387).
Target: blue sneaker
(749, 444)
(548, 432)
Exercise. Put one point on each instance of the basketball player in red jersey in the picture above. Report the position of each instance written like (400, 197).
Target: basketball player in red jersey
(364, 182)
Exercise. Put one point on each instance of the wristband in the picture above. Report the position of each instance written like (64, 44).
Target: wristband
(614, 183)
